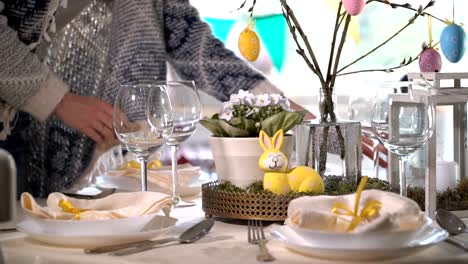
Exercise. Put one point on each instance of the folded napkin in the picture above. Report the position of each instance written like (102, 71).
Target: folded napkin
(162, 177)
(395, 213)
(117, 205)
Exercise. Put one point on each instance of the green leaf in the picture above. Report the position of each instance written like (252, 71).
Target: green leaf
(233, 131)
(214, 126)
(245, 124)
(283, 120)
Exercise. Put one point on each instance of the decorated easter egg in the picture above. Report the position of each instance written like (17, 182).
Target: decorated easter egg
(453, 42)
(354, 7)
(249, 44)
(430, 60)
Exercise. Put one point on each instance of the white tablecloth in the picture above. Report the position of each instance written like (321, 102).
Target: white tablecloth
(226, 243)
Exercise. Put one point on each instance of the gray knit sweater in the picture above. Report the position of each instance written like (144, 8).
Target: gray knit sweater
(138, 40)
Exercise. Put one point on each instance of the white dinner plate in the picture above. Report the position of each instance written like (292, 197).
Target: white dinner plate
(430, 236)
(361, 240)
(104, 226)
(72, 239)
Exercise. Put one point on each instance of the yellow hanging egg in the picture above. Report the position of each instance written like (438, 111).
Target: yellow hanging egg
(249, 44)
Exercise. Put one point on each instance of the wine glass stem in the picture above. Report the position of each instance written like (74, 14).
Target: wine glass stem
(175, 196)
(144, 173)
(402, 161)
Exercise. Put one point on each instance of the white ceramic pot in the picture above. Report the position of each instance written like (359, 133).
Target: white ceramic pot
(236, 159)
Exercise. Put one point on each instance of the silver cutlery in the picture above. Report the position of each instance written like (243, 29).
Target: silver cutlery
(104, 193)
(454, 225)
(192, 234)
(256, 235)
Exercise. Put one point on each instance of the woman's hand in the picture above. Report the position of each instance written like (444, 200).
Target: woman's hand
(87, 114)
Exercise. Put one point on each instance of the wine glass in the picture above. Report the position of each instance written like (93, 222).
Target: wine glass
(186, 109)
(142, 121)
(403, 119)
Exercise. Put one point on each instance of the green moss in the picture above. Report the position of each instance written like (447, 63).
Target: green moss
(450, 199)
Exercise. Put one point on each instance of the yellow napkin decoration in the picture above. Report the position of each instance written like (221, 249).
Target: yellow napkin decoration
(370, 209)
(68, 207)
(133, 164)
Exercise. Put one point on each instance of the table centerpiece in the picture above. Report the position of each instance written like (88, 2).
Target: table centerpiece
(327, 135)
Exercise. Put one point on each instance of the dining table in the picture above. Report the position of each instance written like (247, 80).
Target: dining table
(225, 243)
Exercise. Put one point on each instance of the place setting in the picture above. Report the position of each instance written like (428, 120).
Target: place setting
(367, 225)
(144, 120)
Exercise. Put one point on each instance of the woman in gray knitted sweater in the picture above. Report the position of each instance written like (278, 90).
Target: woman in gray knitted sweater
(65, 83)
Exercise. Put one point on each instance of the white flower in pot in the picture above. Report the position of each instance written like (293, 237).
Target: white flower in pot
(235, 134)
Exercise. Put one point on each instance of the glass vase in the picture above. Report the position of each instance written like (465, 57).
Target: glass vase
(330, 148)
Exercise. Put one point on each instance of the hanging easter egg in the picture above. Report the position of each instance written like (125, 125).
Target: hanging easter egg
(430, 60)
(453, 42)
(249, 44)
(354, 7)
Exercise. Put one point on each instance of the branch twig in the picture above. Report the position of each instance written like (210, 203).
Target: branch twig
(335, 33)
(411, 21)
(340, 49)
(409, 7)
(289, 15)
(391, 69)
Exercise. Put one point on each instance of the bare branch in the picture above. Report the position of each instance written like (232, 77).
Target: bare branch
(383, 43)
(409, 7)
(404, 63)
(299, 49)
(289, 15)
(340, 49)
(335, 33)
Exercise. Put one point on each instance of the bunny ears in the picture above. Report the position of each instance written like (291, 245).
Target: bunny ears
(268, 143)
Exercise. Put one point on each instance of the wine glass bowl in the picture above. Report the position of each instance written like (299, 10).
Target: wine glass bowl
(403, 119)
(142, 121)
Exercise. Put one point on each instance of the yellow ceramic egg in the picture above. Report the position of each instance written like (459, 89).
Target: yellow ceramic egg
(249, 44)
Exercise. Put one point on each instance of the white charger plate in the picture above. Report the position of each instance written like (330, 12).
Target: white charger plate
(327, 249)
(73, 239)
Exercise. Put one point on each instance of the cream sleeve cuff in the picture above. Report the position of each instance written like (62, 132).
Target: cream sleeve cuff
(266, 87)
(49, 95)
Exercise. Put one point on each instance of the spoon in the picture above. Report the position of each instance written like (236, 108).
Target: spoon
(454, 225)
(450, 222)
(192, 234)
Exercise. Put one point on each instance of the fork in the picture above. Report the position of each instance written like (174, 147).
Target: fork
(255, 235)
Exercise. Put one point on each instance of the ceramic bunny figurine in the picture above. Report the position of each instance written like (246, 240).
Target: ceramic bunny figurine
(278, 179)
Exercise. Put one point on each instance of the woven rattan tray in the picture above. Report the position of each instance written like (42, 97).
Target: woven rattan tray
(240, 205)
